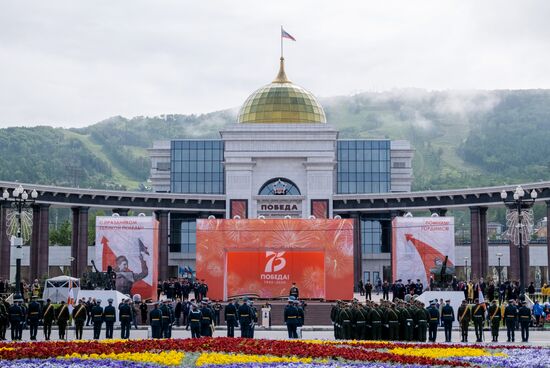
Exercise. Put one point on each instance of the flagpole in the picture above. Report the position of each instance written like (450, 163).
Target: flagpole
(281, 42)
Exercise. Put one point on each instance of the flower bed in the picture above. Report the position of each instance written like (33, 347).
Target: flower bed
(248, 353)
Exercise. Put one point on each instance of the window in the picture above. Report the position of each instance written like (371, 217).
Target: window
(197, 167)
(366, 276)
(183, 234)
(375, 276)
(279, 186)
(399, 165)
(163, 166)
(371, 236)
(363, 166)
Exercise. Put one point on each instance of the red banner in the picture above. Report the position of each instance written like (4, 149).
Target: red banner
(264, 256)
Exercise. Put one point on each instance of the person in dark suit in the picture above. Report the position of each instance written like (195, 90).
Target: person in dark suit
(230, 316)
(294, 291)
(155, 320)
(34, 315)
(144, 310)
(16, 316)
(245, 319)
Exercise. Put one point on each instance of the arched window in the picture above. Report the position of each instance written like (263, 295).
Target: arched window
(279, 186)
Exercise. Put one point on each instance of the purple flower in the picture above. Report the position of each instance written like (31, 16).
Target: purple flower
(315, 365)
(517, 358)
(72, 363)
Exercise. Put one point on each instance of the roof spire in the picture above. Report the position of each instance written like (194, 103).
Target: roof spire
(281, 76)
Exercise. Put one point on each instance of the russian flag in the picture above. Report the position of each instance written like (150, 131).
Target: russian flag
(285, 34)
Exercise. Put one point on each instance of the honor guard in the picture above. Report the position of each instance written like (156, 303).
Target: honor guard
(333, 317)
(494, 318)
(79, 318)
(448, 317)
(253, 316)
(206, 319)
(230, 316)
(97, 318)
(375, 317)
(344, 320)
(195, 318)
(155, 320)
(407, 323)
(245, 319)
(392, 316)
(62, 317)
(34, 315)
(511, 316)
(422, 317)
(464, 318)
(524, 314)
(125, 316)
(479, 316)
(3, 320)
(291, 318)
(16, 317)
(359, 320)
(433, 322)
(167, 319)
(294, 292)
(109, 316)
(48, 319)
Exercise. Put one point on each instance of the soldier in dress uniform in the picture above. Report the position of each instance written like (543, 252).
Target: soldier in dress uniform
(3, 319)
(16, 317)
(393, 322)
(245, 319)
(125, 314)
(206, 319)
(291, 316)
(375, 318)
(155, 320)
(254, 316)
(448, 317)
(79, 318)
(333, 317)
(34, 315)
(194, 320)
(422, 317)
(345, 322)
(359, 320)
(524, 314)
(48, 319)
(230, 316)
(97, 318)
(511, 316)
(479, 317)
(434, 321)
(167, 319)
(62, 317)
(494, 318)
(109, 316)
(464, 318)
(294, 291)
(406, 321)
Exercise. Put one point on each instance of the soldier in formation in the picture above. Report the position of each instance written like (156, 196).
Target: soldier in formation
(125, 313)
(48, 318)
(34, 316)
(16, 318)
(62, 317)
(448, 317)
(97, 318)
(194, 320)
(155, 320)
(79, 318)
(230, 316)
(109, 317)
(464, 318)
(4, 321)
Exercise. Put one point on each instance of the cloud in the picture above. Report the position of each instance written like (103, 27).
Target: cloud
(67, 63)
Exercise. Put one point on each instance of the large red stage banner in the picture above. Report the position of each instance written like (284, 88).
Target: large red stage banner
(265, 256)
(129, 245)
(419, 246)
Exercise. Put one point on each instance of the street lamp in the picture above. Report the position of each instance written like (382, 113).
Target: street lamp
(466, 267)
(499, 269)
(519, 221)
(19, 200)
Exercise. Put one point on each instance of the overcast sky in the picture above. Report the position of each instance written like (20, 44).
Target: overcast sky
(73, 63)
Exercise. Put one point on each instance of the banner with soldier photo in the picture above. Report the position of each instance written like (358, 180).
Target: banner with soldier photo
(128, 246)
(420, 245)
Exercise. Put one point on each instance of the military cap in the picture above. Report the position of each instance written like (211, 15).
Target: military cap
(448, 301)
(98, 301)
(110, 300)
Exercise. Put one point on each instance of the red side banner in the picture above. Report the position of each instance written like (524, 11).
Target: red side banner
(264, 257)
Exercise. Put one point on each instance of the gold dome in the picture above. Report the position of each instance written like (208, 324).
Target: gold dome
(282, 102)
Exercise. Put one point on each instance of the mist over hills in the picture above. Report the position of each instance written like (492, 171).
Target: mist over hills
(461, 138)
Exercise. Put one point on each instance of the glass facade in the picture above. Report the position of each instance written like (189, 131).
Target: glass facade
(371, 236)
(183, 232)
(197, 167)
(363, 166)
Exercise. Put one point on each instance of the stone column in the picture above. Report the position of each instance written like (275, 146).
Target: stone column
(74, 240)
(162, 217)
(5, 250)
(79, 246)
(548, 241)
(44, 242)
(357, 250)
(121, 211)
(479, 249)
(35, 240)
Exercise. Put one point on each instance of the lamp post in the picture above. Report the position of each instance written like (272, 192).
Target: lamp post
(499, 269)
(19, 200)
(519, 213)
(466, 267)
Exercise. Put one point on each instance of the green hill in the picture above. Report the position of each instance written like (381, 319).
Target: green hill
(461, 138)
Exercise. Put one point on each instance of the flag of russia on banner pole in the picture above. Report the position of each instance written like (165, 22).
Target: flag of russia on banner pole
(70, 298)
(285, 34)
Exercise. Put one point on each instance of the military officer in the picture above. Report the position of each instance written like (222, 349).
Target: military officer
(48, 319)
(448, 317)
(206, 319)
(334, 311)
(245, 319)
(167, 319)
(511, 316)
(230, 316)
(478, 316)
(3, 320)
(294, 291)
(433, 322)
(407, 322)
(291, 316)
(125, 315)
(464, 318)
(344, 320)
(16, 317)
(79, 317)
(494, 318)
(524, 314)
(359, 319)
(422, 317)
(62, 317)
(375, 317)
(97, 318)
(194, 320)
(34, 315)
(109, 316)
(155, 319)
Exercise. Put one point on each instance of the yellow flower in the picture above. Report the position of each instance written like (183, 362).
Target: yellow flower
(221, 358)
(442, 352)
(171, 357)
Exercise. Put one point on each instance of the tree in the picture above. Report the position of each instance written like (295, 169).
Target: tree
(62, 235)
